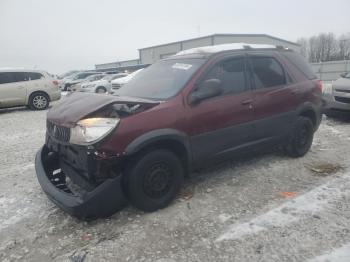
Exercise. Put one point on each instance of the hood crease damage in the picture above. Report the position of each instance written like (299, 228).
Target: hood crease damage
(79, 105)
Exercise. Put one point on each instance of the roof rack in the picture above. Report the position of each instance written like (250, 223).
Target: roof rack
(224, 47)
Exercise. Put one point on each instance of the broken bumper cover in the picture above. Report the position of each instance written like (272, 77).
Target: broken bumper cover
(102, 201)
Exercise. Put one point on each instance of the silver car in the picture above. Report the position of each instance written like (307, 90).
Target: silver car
(32, 88)
(337, 95)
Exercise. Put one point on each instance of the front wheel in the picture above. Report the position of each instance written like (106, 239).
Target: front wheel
(153, 180)
(301, 137)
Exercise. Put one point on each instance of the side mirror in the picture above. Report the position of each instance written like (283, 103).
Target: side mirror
(343, 75)
(209, 88)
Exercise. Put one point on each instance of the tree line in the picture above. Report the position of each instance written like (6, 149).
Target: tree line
(325, 47)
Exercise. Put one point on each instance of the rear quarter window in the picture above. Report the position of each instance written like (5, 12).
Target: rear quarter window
(300, 63)
(33, 76)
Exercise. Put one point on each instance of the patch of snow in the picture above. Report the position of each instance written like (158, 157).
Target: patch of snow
(292, 211)
(334, 130)
(223, 47)
(224, 217)
(14, 211)
(341, 254)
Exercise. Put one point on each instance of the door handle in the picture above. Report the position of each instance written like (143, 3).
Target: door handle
(20, 87)
(247, 102)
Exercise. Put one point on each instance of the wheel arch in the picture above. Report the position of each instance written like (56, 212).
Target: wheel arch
(170, 139)
(310, 111)
(100, 87)
(37, 92)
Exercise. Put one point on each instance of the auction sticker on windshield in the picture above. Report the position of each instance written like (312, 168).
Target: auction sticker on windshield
(181, 66)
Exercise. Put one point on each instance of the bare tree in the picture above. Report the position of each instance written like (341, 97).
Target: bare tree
(344, 47)
(304, 46)
(314, 49)
(325, 47)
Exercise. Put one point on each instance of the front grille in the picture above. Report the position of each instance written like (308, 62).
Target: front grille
(60, 133)
(116, 86)
(342, 90)
(342, 99)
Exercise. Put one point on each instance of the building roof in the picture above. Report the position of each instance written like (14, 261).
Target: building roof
(214, 35)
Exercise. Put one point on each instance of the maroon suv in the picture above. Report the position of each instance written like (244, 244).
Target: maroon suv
(179, 114)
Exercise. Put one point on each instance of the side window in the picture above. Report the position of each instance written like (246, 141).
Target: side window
(267, 72)
(231, 73)
(83, 76)
(20, 76)
(6, 78)
(34, 76)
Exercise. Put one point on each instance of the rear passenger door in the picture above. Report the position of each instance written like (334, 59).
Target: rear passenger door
(274, 101)
(12, 89)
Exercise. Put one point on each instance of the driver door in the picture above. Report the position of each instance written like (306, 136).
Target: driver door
(222, 124)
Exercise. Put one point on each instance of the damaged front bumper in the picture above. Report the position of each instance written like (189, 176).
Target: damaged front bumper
(101, 201)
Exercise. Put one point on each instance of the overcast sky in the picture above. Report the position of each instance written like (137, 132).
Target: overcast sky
(59, 35)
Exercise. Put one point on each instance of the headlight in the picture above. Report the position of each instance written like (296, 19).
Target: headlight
(90, 130)
(327, 89)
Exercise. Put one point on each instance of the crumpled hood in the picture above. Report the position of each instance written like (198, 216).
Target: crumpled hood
(76, 106)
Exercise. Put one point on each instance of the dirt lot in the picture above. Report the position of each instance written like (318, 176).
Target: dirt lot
(265, 208)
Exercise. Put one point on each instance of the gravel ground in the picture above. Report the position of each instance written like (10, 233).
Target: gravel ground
(267, 207)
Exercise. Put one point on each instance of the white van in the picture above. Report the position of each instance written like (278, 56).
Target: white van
(32, 88)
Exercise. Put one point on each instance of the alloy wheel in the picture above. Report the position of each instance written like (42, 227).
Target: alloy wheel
(40, 102)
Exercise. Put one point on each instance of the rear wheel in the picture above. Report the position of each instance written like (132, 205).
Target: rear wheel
(301, 137)
(101, 90)
(38, 101)
(153, 179)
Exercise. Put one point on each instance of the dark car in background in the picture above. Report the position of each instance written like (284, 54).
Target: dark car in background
(176, 116)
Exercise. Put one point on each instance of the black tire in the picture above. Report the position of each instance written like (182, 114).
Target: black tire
(38, 101)
(301, 137)
(153, 179)
(101, 90)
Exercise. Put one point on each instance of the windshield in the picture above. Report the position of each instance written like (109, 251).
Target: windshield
(161, 80)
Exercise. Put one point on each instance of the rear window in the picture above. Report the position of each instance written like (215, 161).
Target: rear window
(299, 62)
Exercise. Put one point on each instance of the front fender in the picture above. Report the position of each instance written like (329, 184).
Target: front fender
(160, 135)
